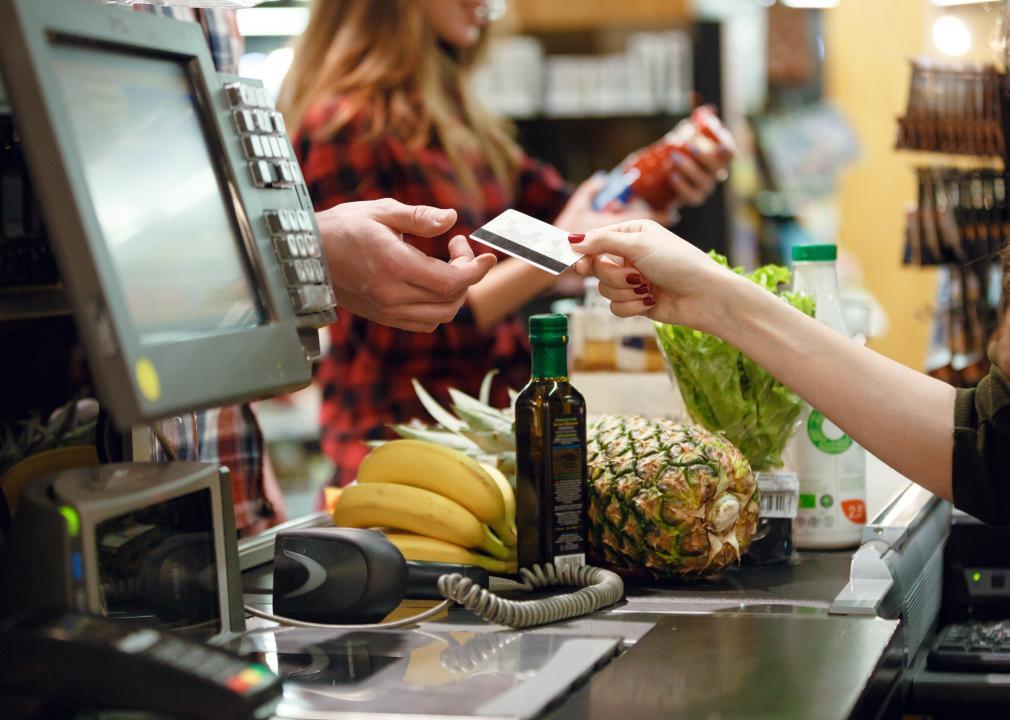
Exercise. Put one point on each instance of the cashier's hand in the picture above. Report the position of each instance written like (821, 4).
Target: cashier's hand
(644, 269)
(377, 275)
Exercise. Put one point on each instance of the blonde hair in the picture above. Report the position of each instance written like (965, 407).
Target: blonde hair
(384, 60)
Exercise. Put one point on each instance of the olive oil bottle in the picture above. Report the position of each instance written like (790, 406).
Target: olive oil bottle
(550, 453)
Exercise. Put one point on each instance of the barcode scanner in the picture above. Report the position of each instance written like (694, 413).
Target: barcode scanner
(350, 579)
(347, 575)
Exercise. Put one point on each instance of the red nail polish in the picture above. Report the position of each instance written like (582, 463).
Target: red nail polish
(634, 279)
(642, 290)
(576, 238)
(649, 301)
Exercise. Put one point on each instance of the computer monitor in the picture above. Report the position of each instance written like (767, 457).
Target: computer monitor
(182, 230)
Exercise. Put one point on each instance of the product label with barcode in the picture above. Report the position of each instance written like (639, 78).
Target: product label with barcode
(779, 494)
(577, 560)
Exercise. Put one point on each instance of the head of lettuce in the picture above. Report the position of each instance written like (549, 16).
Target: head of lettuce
(725, 391)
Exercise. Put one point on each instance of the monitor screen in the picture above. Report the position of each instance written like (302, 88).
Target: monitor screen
(156, 193)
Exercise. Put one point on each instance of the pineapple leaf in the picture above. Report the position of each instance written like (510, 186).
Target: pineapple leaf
(474, 412)
(490, 441)
(485, 386)
(442, 416)
(439, 437)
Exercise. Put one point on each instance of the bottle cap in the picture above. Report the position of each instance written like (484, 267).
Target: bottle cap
(548, 329)
(815, 253)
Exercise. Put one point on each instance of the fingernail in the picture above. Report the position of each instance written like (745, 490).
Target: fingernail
(693, 149)
(576, 238)
(642, 290)
(678, 158)
(649, 301)
(675, 176)
(634, 279)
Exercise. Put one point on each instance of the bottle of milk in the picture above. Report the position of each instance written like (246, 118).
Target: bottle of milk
(830, 466)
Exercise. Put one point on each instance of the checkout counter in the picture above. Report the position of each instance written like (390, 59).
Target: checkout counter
(190, 261)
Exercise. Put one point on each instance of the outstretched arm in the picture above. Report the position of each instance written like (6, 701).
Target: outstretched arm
(903, 417)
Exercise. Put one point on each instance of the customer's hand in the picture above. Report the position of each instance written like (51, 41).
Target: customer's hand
(694, 173)
(579, 216)
(644, 269)
(377, 275)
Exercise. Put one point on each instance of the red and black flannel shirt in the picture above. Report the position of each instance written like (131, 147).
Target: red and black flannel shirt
(366, 376)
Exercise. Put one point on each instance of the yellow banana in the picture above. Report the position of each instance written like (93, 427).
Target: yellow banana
(415, 510)
(441, 470)
(508, 494)
(419, 547)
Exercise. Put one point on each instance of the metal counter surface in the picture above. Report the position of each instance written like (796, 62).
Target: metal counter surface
(751, 642)
(748, 665)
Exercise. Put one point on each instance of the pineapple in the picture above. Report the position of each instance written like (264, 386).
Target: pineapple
(671, 499)
(675, 500)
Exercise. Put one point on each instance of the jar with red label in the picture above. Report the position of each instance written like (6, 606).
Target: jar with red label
(646, 173)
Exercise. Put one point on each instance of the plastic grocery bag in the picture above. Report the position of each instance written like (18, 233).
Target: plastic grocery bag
(725, 391)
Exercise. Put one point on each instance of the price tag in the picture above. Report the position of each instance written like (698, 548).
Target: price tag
(780, 493)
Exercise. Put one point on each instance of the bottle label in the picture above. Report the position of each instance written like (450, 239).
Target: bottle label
(819, 436)
(568, 465)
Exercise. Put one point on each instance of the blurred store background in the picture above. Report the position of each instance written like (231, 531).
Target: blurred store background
(812, 90)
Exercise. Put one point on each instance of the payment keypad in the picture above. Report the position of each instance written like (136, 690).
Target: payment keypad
(264, 137)
(300, 253)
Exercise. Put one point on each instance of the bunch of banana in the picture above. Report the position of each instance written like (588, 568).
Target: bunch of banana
(452, 504)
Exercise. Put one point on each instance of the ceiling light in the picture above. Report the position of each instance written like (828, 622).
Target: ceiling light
(951, 36)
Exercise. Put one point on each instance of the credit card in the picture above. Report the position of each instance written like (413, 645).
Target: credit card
(531, 240)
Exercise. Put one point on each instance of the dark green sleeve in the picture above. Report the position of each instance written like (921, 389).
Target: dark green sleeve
(982, 449)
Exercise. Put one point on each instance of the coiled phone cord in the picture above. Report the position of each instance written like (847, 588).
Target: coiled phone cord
(598, 588)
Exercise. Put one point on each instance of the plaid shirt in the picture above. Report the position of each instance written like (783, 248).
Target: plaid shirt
(366, 376)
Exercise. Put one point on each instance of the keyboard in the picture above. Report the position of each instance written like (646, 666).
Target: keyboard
(982, 647)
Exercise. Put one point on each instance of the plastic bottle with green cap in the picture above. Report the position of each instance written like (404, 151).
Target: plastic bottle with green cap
(830, 466)
(550, 453)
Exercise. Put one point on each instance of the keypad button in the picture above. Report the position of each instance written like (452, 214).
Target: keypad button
(273, 218)
(311, 299)
(282, 171)
(304, 221)
(139, 641)
(291, 273)
(275, 146)
(278, 120)
(263, 123)
(252, 145)
(282, 248)
(250, 95)
(245, 121)
(285, 148)
(234, 93)
(263, 98)
(262, 173)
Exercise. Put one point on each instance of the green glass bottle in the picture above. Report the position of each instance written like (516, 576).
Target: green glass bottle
(550, 453)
